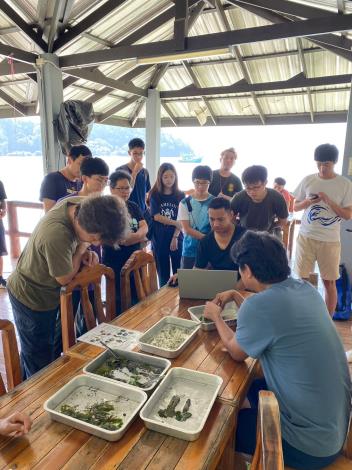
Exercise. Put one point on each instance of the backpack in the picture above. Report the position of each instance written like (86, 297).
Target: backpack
(343, 308)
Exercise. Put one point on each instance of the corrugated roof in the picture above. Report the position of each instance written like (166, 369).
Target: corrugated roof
(261, 62)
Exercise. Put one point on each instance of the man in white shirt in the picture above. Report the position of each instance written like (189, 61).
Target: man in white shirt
(326, 199)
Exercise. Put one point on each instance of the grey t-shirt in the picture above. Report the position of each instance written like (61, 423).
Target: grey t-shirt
(288, 328)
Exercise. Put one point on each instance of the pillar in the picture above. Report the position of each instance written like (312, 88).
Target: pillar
(346, 225)
(152, 131)
(50, 91)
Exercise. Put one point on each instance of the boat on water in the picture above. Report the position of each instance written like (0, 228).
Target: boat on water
(189, 158)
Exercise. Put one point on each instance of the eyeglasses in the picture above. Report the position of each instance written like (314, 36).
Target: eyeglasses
(255, 187)
(201, 183)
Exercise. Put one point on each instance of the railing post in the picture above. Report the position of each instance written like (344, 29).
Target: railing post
(15, 246)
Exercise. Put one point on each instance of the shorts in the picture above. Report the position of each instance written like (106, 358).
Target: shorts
(3, 250)
(327, 254)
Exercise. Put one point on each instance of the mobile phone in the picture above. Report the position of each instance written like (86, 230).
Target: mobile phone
(313, 196)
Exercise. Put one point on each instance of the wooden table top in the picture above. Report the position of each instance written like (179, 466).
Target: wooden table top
(52, 445)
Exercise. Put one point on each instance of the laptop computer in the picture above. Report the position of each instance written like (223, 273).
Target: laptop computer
(204, 283)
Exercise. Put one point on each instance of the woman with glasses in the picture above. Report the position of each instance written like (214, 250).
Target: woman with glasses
(193, 214)
(167, 239)
(120, 185)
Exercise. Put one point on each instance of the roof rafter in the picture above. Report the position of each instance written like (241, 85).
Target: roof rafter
(298, 81)
(98, 77)
(153, 83)
(196, 83)
(13, 103)
(287, 8)
(181, 24)
(86, 23)
(237, 54)
(115, 109)
(17, 54)
(208, 42)
(305, 73)
(338, 45)
(25, 27)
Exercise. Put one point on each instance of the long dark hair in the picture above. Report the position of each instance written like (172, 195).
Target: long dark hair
(158, 188)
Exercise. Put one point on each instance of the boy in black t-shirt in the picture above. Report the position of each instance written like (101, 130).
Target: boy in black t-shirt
(3, 250)
(214, 249)
(120, 185)
(224, 183)
(259, 207)
(67, 181)
(140, 182)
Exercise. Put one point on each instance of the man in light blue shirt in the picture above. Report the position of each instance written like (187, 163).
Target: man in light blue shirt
(286, 326)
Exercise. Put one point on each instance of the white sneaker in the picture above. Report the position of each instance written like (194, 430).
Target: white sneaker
(349, 355)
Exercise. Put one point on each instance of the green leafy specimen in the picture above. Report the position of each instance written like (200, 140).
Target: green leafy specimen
(97, 414)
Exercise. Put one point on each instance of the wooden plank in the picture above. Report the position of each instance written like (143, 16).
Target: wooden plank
(86, 455)
(64, 450)
(168, 454)
(61, 452)
(117, 451)
(143, 451)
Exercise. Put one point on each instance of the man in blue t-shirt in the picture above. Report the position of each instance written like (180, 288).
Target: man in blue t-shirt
(139, 175)
(287, 327)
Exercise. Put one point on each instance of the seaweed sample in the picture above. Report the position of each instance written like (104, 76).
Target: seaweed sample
(170, 410)
(131, 372)
(98, 414)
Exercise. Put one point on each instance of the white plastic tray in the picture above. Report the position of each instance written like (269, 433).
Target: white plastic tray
(197, 312)
(169, 320)
(201, 388)
(85, 390)
(164, 364)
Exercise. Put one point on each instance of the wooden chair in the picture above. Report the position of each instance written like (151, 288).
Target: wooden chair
(88, 276)
(142, 266)
(268, 452)
(11, 356)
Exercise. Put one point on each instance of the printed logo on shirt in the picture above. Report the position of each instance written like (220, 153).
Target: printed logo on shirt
(71, 190)
(231, 188)
(322, 215)
(168, 210)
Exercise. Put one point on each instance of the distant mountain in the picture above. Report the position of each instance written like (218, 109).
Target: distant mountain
(21, 136)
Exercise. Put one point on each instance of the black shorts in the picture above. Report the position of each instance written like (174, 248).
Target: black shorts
(3, 250)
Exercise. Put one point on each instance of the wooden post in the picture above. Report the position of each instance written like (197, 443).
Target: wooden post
(15, 247)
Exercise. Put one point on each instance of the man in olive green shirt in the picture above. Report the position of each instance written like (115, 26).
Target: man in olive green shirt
(56, 250)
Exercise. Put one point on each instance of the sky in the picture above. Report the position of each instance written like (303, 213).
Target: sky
(286, 151)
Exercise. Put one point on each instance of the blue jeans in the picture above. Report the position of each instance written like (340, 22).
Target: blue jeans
(36, 331)
(246, 435)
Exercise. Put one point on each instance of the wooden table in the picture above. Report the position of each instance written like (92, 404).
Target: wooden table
(51, 445)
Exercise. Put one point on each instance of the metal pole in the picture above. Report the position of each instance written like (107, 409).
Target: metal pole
(152, 130)
(50, 98)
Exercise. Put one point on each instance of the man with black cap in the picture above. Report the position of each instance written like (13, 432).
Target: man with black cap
(326, 199)
(193, 214)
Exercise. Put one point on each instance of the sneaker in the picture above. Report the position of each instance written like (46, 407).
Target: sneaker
(2, 283)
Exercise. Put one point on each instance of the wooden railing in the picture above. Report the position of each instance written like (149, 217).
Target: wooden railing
(13, 231)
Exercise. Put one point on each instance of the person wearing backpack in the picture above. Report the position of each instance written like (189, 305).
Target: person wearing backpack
(167, 238)
(193, 214)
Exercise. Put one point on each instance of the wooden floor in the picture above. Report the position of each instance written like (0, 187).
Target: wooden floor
(344, 328)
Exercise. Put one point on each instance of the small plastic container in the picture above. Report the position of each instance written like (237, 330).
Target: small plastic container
(229, 314)
(201, 388)
(154, 330)
(159, 362)
(85, 390)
